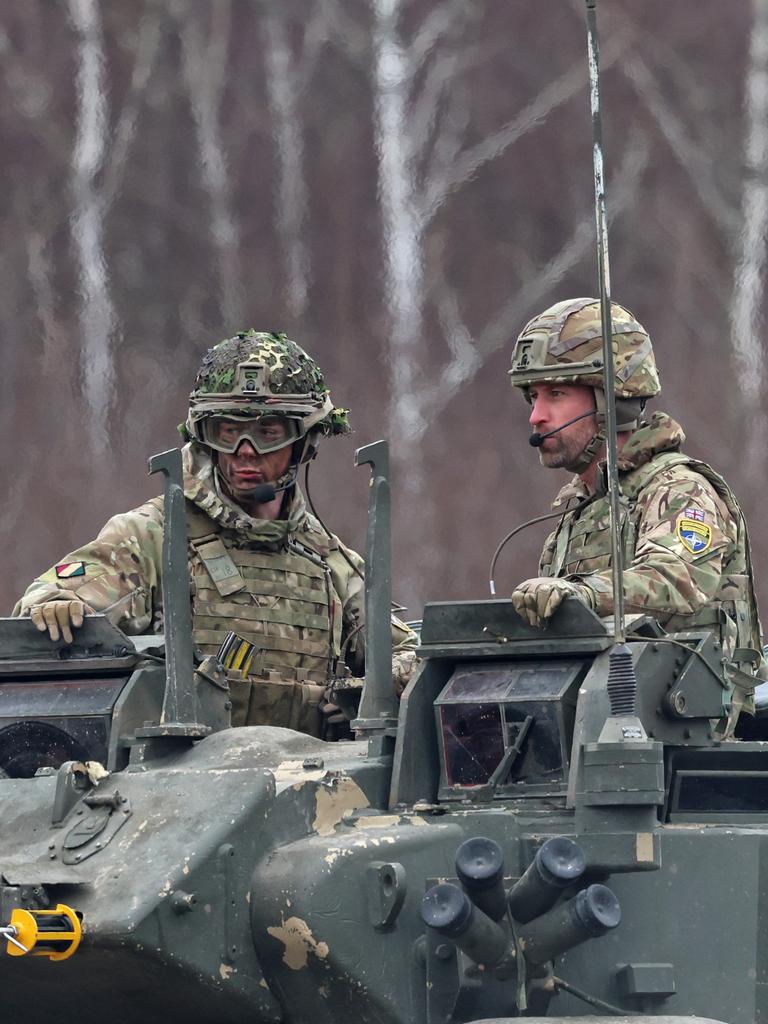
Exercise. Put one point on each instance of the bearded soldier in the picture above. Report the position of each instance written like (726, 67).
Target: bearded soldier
(263, 570)
(686, 549)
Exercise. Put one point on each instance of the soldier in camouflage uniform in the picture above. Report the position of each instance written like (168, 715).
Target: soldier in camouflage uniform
(261, 566)
(686, 550)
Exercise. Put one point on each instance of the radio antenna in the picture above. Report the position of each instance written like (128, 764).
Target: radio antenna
(604, 273)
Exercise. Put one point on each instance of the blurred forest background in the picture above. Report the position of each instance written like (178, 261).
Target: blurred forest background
(397, 184)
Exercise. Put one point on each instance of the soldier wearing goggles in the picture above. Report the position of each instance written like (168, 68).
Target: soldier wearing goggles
(276, 596)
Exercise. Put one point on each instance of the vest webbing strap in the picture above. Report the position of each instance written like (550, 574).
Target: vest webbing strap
(268, 588)
(279, 561)
(294, 609)
(256, 613)
(272, 666)
(289, 645)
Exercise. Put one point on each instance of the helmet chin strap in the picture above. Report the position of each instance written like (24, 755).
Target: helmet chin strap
(287, 480)
(628, 412)
(304, 450)
(590, 450)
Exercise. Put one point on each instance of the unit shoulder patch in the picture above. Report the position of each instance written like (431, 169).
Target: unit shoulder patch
(66, 570)
(694, 535)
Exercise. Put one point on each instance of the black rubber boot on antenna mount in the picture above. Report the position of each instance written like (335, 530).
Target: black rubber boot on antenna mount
(622, 681)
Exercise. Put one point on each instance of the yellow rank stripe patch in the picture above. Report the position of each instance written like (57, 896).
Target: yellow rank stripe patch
(695, 537)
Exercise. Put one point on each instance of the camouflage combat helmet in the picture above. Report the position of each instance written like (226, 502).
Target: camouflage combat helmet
(259, 375)
(564, 345)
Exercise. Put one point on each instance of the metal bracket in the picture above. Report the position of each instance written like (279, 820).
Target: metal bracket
(378, 706)
(71, 785)
(95, 825)
(386, 892)
(179, 714)
(691, 696)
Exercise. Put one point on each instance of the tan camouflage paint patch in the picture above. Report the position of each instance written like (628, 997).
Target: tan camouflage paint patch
(644, 847)
(333, 802)
(299, 942)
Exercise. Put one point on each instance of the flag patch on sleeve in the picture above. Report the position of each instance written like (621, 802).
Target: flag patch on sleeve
(66, 570)
(695, 536)
(694, 513)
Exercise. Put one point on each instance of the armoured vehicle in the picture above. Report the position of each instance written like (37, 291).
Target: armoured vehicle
(507, 841)
(545, 826)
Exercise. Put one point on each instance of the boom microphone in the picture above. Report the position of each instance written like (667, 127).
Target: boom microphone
(263, 493)
(536, 440)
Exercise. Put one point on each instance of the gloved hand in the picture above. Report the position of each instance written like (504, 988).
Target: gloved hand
(335, 717)
(538, 599)
(403, 665)
(59, 617)
(333, 714)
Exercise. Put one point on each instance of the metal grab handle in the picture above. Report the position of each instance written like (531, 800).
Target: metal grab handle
(179, 712)
(378, 706)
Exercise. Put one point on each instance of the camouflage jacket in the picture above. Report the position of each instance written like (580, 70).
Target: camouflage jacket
(686, 549)
(301, 599)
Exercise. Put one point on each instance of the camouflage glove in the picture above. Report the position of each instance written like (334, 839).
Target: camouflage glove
(537, 600)
(59, 617)
(338, 706)
(403, 665)
(333, 714)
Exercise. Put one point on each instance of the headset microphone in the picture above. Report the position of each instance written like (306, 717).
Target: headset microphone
(263, 493)
(536, 439)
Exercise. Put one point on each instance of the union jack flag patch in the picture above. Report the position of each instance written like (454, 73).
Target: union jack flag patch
(694, 513)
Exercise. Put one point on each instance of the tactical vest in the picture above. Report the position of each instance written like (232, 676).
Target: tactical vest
(582, 545)
(282, 600)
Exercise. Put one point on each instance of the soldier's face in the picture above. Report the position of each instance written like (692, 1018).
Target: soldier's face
(246, 469)
(552, 405)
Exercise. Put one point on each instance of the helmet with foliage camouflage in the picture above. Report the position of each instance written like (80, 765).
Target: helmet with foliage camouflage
(264, 387)
(564, 344)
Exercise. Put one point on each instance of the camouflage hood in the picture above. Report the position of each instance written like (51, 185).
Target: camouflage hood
(202, 488)
(659, 434)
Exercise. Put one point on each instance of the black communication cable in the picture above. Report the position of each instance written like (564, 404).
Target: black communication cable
(590, 1000)
(395, 606)
(315, 513)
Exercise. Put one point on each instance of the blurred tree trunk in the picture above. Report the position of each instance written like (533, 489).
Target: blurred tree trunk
(205, 44)
(746, 309)
(98, 324)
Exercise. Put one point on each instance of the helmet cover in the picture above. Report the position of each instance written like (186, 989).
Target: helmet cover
(257, 374)
(564, 345)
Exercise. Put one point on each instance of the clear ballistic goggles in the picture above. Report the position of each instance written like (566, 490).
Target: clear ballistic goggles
(266, 433)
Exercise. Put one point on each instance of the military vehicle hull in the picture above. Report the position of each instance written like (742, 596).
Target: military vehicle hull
(616, 863)
(259, 873)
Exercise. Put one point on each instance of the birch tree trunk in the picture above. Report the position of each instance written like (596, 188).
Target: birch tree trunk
(402, 232)
(746, 320)
(291, 199)
(205, 66)
(96, 313)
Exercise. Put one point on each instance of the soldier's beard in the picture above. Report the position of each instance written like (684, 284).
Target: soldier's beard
(563, 450)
